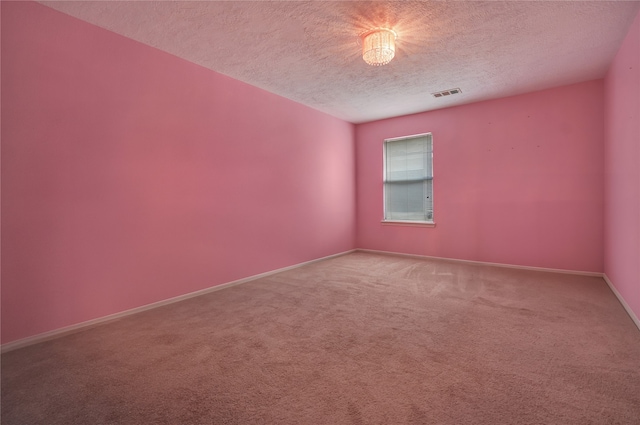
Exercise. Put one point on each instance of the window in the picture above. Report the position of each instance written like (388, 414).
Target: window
(408, 179)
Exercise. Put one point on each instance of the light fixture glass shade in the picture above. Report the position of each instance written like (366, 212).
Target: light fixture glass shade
(378, 46)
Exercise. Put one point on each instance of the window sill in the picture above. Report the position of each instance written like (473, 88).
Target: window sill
(408, 223)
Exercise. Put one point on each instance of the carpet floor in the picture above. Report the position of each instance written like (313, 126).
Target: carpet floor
(358, 339)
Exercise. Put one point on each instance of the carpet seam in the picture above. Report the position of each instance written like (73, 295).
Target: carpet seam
(485, 263)
(624, 304)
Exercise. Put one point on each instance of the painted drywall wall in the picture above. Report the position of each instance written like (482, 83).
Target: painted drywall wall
(622, 170)
(517, 180)
(130, 176)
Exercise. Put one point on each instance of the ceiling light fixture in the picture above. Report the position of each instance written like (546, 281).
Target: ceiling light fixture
(378, 46)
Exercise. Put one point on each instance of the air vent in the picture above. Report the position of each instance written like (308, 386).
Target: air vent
(446, 93)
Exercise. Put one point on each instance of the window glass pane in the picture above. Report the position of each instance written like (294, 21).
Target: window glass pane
(405, 201)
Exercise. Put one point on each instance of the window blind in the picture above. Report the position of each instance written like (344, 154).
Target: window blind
(408, 178)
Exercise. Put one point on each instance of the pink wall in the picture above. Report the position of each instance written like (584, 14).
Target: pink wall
(622, 170)
(130, 176)
(516, 180)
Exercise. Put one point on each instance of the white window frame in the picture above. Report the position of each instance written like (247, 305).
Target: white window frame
(428, 219)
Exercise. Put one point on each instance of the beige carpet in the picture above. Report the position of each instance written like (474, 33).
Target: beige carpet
(358, 339)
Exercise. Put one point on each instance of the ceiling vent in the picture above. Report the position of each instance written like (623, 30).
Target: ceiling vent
(446, 93)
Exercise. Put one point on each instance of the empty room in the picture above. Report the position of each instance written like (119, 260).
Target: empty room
(320, 212)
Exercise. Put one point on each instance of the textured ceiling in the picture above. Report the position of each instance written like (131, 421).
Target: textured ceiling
(308, 51)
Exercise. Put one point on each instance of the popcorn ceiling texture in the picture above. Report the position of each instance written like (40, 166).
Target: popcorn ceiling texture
(309, 51)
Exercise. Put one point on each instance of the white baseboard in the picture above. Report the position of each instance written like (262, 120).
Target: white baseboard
(57, 333)
(622, 301)
(484, 263)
